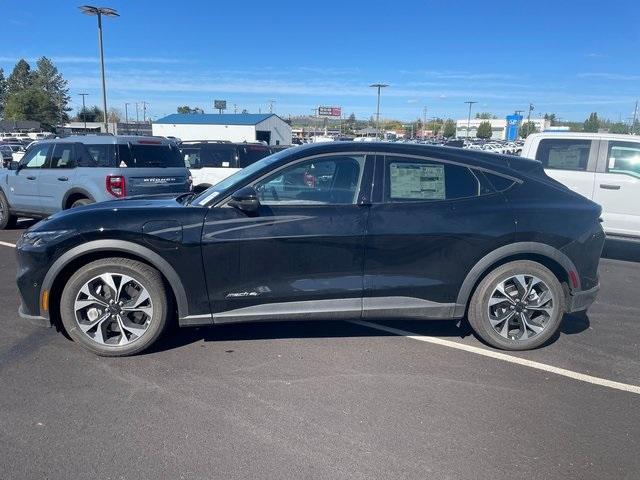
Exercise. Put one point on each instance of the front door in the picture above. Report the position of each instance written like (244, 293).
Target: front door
(300, 256)
(56, 177)
(23, 190)
(617, 189)
(430, 223)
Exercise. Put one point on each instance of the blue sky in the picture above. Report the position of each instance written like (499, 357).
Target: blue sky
(570, 57)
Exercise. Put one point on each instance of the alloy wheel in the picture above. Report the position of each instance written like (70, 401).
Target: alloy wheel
(520, 307)
(113, 309)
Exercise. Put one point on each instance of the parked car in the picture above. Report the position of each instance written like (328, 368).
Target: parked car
(69, 172)
(213, 161)
(394, 231)
(6, 155)
(604, 168)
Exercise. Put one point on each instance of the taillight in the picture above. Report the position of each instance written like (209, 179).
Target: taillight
(116, 186)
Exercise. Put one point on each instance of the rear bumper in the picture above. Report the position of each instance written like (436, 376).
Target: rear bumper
(33, 319)
(579, 301)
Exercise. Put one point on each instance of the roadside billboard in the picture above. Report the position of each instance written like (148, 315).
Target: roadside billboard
(513, 124)
(329, 111)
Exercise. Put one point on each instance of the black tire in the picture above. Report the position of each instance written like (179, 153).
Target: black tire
(146, 276)
(6, 219)
(81, 201)
(478, 312)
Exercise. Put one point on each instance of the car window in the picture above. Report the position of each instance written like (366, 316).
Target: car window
(409, 179)
(218, 156)
(564, 154)
(62, 156)
(321, 181)
(97, 155)
(251, 153)
(36, 157)
(624, 157)
(191, 157)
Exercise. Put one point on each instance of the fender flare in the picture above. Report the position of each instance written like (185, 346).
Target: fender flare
(73, 191)
(504, 252)
(119, 246)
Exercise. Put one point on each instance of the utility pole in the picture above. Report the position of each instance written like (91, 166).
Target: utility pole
(635, 118)
(271, 102)
(137, 120)
(84, 111)
(144, 112)
(235, 108)
(126, 116)
(470, 102)
(424, 122)
(379, 86)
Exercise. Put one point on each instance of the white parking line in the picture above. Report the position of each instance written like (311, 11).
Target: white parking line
(505, 358)
(7, 244)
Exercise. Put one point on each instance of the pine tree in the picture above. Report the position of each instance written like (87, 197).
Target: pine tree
(3, 92)
(48, 79)
(592, 124)
(449, 129)
(484, 130)
(20, 79)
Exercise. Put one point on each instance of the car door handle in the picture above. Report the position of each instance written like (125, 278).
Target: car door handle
(63, 179)
(608, 186)
(31, 178)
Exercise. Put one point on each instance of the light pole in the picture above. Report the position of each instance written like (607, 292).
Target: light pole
(379, 86)
(470, 102)
(126, 116)
(99, 12)
(84, 111)
(424, 122)
(137, 120)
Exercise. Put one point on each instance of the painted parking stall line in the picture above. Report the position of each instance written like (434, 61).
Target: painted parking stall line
(603, 382)
(7, 244)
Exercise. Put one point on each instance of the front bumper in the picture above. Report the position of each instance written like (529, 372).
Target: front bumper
(579, 301)
(33, 319)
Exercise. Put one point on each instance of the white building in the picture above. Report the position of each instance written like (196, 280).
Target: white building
(498, 127)
(233, 127)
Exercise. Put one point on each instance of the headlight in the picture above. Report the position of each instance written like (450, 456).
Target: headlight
(38, 239)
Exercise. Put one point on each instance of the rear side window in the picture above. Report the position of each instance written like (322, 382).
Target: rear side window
(191, 157)
(251, 153)
(430, 180)
(218, 156)
(499, 182)
(624, 157)
(564, 154)
(96, 155)
(149, 156)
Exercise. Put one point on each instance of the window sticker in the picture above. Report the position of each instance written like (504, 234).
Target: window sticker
(417, 181)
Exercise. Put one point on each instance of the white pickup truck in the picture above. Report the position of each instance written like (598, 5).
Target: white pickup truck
(602, 167)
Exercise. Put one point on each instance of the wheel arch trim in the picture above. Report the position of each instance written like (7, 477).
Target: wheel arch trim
(73, 191)
(504, 252)
(135, 249)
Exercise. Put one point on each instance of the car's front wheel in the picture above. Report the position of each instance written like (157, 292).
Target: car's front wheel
(6, 219)
(517, 306)
(114, 306)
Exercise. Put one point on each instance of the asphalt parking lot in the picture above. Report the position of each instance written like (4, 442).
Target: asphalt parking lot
(327, 399)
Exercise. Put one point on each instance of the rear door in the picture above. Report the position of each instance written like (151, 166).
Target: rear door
(617, 187)
(151, 167)
(22, 185)
(301, 254)
(571, 161)
(57, 176)
(430, 223)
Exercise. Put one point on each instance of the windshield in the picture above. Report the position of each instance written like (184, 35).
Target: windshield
(237, 178)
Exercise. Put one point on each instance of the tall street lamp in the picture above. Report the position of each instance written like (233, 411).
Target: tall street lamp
(379, 86)
(84, 111)
(126, 116)
(99, 12)
(469, 118)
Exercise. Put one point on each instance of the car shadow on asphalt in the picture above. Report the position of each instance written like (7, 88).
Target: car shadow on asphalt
(179, 337)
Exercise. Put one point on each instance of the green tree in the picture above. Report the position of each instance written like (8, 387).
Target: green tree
(484, 130)
(485, 116)
(20, 79)
(619, 127)
(47, 78)
(591, 124)
(31, 104)
(3, 91)
(188, 110)
(89, 114)
(551, 117)
(449, 129)
(527, 128)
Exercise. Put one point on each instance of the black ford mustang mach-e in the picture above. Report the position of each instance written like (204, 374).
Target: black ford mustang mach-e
(340, 230)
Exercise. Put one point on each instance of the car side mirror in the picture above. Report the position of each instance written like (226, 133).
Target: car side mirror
(245, 199)
(13, 165)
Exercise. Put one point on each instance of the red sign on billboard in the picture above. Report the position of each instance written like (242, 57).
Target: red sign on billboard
(329, 111)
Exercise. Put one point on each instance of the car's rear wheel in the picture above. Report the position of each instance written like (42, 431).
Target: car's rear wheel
(80, 202)
(517, 306)
(114, 306)
(6, 219)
